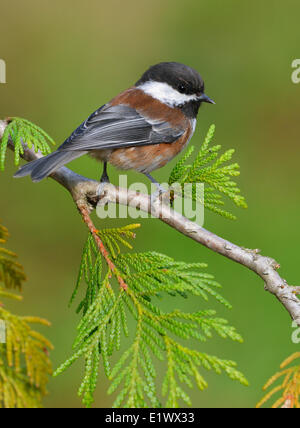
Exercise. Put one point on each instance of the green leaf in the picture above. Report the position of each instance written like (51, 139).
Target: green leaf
(21, 131)
(210, 168)
(111, 315)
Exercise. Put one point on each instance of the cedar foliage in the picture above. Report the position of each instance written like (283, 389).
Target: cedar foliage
(24, 362)
(286, 384)
(211, 168)
(22, 131)
(108, 312)
(106, 325)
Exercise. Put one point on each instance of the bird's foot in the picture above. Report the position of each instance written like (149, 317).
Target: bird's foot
(101, 187)
(161, 195)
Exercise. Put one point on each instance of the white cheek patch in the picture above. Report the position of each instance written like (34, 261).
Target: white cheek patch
(165, 93)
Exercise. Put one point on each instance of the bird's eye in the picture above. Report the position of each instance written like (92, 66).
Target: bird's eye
(181, 88)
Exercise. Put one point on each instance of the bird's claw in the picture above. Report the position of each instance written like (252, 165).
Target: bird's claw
(101, 188)
(160, 195)
(102, 194)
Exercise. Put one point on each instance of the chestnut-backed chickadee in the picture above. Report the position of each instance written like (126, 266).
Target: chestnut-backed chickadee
(142, 128)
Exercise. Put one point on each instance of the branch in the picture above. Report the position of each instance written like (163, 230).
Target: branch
(84, 194)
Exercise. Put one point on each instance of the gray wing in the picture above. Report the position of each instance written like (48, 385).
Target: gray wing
(112, 127)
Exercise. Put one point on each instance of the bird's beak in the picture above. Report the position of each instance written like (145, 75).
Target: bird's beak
(204, 98)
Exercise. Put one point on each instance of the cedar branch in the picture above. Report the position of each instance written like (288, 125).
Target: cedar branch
(84, 194)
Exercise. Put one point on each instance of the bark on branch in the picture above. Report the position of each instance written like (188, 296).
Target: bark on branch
(84, 194)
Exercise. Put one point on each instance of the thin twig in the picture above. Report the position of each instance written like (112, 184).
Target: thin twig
(88, 221)
(84, 193)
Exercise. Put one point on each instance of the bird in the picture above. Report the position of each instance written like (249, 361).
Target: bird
(142, 129)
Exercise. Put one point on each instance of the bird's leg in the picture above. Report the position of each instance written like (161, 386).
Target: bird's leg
(160, 189)
(103, 181)
(104, 177)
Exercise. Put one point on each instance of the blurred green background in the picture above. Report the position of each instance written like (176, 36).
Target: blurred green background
(66, 58)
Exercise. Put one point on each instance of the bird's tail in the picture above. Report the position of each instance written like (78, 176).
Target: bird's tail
(42, 168)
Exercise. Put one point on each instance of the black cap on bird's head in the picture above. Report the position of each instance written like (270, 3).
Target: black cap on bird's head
(182, 79)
